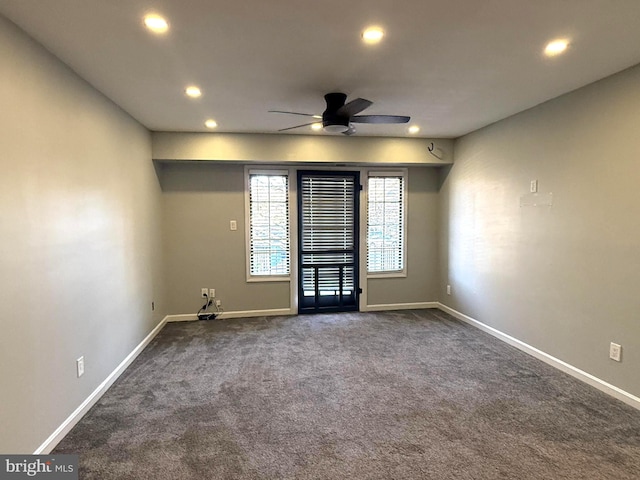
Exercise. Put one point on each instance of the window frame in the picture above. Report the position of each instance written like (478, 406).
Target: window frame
(248, 172)
(403, 174)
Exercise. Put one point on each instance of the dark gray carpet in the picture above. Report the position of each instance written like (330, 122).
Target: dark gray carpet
(395, 395)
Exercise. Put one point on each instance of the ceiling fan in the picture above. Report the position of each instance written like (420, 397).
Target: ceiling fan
(339, 116)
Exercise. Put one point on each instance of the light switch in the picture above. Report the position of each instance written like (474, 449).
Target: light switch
(233, 225)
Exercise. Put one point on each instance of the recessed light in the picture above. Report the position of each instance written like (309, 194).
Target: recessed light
(316, 126)
(211, 123)
(413, 129)
(193, 91)
(156, 23)
(372, 35)
(556, 47)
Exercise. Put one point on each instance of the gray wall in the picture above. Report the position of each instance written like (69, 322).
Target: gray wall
(199, 200)
(421, 282)
(565, 278)
(79, 240)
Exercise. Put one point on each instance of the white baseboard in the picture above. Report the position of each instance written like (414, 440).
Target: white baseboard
(51, 442)
(400, 306)
(587, 378)
(258, 313)
(190, 317)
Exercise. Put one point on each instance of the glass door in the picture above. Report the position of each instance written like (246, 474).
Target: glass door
(328, 241)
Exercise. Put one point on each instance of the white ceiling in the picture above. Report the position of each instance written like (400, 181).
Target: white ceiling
(452, 65)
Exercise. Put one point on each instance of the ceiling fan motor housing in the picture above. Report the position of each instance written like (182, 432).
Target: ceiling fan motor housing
(332, 122)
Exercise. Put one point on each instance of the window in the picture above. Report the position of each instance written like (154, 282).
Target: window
(385, 222)
(268, 226)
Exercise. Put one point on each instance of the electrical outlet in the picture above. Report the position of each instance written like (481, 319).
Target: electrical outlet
(218, 303)
(204, 292)
(615, 352)
(80, 366)
(233, 225)
(533, 186)
(153, 306)
(448, 289)
(212, 293)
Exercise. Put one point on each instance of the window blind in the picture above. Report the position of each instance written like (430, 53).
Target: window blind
(328, 233)
(385, 223)
(269, 224)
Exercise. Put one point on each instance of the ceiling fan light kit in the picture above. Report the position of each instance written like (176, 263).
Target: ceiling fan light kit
(335, 128)
(339, 116)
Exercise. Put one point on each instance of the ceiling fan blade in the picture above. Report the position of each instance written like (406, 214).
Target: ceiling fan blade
(353, 107)
(297, 126)
(334, 101)
(380, 119)
(296, 113)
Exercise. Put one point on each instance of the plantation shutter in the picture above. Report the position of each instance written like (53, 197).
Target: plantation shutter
(385, 223)
(269, 223)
